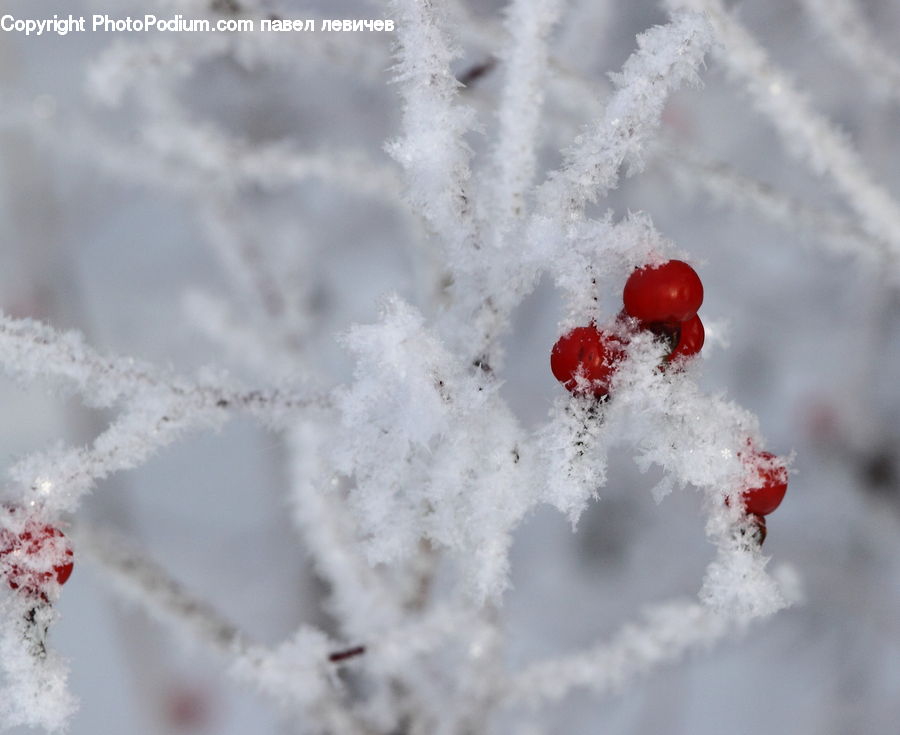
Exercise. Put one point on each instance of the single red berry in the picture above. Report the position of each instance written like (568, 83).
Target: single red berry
(769, 486)
(690, 339)
(589, 353)
(681, 339)
(671, 292)
(22, 552)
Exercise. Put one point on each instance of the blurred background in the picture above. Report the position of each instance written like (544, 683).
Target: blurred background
(134, 192)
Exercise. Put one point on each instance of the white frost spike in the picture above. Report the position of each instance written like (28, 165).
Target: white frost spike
(432, 150)
(668, 57)
(433, 451)
(529, 25)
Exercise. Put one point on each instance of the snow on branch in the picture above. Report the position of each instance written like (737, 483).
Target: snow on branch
(665, 635)
(579, 94)
(132, 575)
(576, 92)
(209, 153)
(519, 110)
(668, 632)
(33, 690)
(59, 477)
(30, 349)
(697, 173)
(805, 132)
(186, 155)
(160, 407)
(432, 150)
(360, 597)
(845, 25)
(215, 317)
(297, 674)
(668, 56)
(137, 66)
(432, 448)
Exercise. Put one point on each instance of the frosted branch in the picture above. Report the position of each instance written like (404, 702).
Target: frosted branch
(160, 408)
(241, 340)
(360, 597)
(727, 186)
(805, 132)
(297, 674)
(432, 151)
(668, 56)
(133, 576)
(846, 27)
(135, 66)
(464, 495)
(210, 153)
(520, 106)
(59, 477)
(665, 635)
(186, 155)
(32, 350)
(33, 691)
(572, 90)
(580, 95)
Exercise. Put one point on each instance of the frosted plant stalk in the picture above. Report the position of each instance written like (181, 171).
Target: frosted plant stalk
(668, 57)
(31, 350)
(836, 233)
(666, 634)
(159, 407)
(362, 600)
(432, 150)
(805, 132)
(296, 674)
(519, 113)
(845, 25)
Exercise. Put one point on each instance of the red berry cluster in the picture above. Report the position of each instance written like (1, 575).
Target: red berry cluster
(663, 299)
(20, 552)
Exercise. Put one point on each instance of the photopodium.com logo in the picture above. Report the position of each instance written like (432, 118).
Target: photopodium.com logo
(62, 26)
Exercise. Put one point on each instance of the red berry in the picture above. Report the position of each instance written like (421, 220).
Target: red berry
(671, 292)
(683, 340)
(588, 352)
(690, 339)
(769, 486)
(25, 570)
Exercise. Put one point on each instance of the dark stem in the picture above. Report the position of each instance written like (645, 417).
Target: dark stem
(339, 656)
